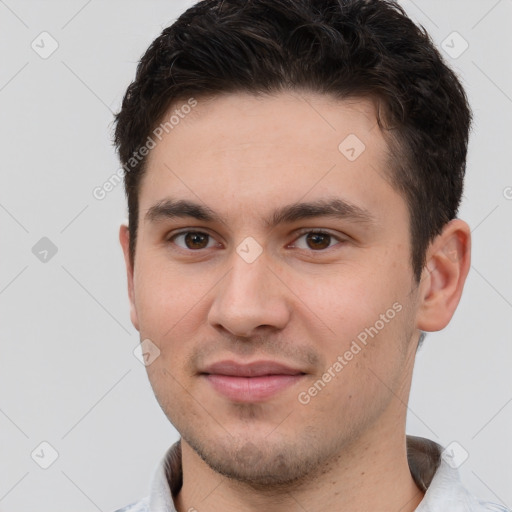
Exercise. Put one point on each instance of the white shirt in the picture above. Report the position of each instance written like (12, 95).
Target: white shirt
(433, 473)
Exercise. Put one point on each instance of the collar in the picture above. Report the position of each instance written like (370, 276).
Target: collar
(431, 472)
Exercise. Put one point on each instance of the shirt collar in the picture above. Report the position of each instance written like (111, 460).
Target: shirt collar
(430, 471)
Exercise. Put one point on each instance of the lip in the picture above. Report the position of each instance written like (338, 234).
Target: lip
(251, 382)
(254, 369)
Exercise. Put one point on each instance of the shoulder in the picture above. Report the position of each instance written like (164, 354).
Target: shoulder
(139, 506)
(434, 472)
(486, 506)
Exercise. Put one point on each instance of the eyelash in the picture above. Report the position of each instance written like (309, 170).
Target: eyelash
(299, 235)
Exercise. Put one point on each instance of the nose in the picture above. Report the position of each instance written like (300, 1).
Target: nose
(249, 298)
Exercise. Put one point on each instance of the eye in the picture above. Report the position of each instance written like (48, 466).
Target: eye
(193, 240)
(317, 240)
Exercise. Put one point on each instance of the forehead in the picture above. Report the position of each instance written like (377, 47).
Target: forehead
(239, 122)
(243, 153)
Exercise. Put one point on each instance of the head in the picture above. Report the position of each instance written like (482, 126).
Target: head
(249, 109)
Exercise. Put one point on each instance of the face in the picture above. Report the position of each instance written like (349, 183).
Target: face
(283, 305)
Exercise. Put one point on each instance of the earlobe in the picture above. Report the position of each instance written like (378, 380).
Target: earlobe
(124, 239)
(446, 269)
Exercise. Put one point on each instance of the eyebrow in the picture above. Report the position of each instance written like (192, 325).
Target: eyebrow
(170, 208)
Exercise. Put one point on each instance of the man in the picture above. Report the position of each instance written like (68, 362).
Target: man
(293, 171)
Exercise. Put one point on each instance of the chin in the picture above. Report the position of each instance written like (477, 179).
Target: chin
(259, 463)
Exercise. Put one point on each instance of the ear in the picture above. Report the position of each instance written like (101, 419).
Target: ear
(447, 266)
(124, 239)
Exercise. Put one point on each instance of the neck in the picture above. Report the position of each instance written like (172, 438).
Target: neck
(370, 474)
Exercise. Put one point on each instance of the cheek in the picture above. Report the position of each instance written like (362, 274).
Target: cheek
(359, 320)
(350, 299)
(365, 365)
(172, 311)
(162, 294)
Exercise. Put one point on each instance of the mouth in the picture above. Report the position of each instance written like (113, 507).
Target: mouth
(253, 382)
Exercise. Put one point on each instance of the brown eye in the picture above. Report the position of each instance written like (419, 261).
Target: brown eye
(316, 240)
(193, 240)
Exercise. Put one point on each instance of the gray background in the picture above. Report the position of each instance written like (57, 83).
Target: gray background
(68, 375)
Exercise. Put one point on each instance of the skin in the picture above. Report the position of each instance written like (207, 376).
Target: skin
(301, 302)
